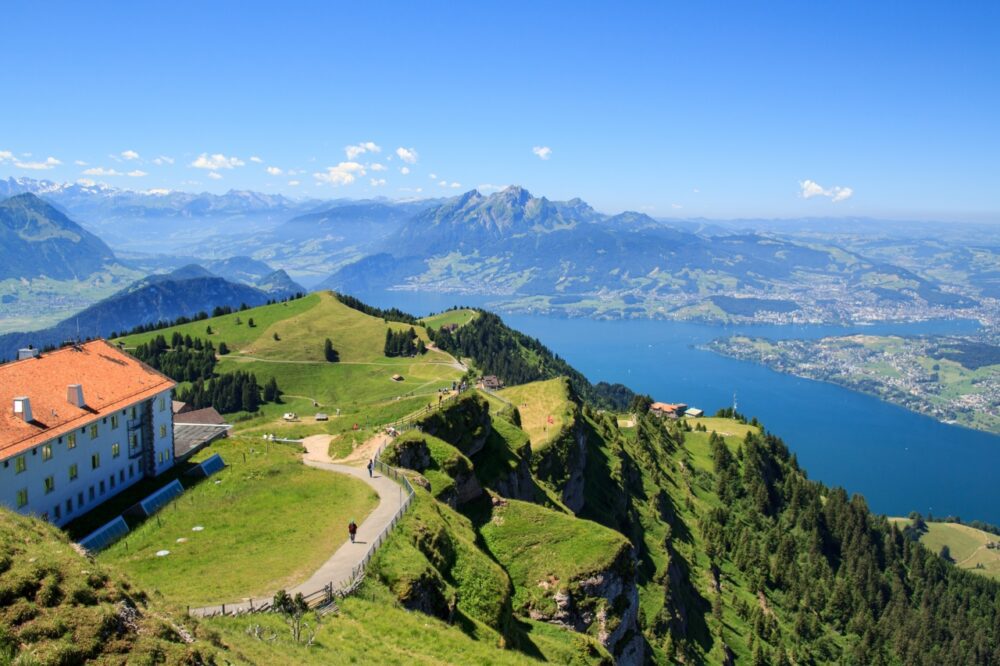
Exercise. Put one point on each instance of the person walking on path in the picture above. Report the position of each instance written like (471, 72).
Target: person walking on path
(371, 467)
(352, 529)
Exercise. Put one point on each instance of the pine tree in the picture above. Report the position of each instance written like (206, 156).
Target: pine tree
(329, 353)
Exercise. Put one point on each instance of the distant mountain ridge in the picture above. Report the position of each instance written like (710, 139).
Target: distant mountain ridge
(549, 253)
(37, 239)
(185, 292)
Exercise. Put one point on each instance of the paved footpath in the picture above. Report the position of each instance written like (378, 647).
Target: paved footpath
(338, 568)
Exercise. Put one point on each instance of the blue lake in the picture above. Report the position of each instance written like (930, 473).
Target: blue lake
(900, 461)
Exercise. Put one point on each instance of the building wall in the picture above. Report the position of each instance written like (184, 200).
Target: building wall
(70, 498)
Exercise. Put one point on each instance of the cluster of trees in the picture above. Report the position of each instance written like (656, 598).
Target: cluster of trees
(391, 314)
(841, 574)
(156, 326)
(517, 358)
(231, 392)
(185, 359)
(403, 343)
(329, 353)
(218, 311)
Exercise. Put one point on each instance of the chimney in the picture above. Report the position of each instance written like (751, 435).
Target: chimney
(26, 353)
(22, 406)
(74, 395)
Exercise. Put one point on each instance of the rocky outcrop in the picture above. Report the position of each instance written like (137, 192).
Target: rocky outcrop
(604, 604)
(518, 482)
(561, 464)
(411, 453)
(465, 424)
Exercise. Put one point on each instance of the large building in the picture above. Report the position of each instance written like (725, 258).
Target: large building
(78, 426)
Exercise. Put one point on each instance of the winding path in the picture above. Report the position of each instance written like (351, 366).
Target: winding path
(336, 570)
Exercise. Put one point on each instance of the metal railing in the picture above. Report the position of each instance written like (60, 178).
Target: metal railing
(324, 599)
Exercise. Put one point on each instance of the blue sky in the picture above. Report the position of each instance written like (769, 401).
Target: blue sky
(677, 109)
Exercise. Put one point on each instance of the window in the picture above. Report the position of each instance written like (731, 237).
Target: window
(163, 430)
(116, 450)
(69, 505)
(131, 471)
(114, 421)
(71, 440)
(79, 499)
(93, 431)
(91, 494)
(22, 498)
(20, 464)
(133, 443)
(57, 512)
(121, 476)
(74, 472)
(131, 412)
(101, 484)
(111, 480)
(46, 452)
(50, 484)
(161, 404)
(95, 461)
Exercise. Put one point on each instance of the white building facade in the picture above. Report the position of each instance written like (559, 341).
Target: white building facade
(65, 448)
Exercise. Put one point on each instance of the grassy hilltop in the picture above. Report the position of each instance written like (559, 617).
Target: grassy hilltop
(543, 529)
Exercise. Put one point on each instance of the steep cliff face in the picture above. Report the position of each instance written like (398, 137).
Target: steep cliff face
(465, 424)
(605, 604)
(561, 464)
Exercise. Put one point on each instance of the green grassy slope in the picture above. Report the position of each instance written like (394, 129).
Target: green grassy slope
(360, 385)
(967, 545)
(58, 607)
(254, 514)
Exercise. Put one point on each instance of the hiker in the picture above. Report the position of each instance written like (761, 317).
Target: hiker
(371, 467)
(352, 529)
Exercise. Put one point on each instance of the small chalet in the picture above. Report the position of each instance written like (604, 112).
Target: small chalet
(491, 383)
(669, 410)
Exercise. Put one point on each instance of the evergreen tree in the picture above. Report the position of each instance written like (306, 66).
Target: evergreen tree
(329, 353)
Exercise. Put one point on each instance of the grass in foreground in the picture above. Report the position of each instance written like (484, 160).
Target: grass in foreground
(372, 629)
(268, 524)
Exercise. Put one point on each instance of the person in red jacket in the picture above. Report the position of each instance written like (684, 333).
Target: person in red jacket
(352, 529)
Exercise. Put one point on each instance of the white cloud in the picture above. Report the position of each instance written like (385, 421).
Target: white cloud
(377, 182)
(810, 189)
(404, 170)
(86, 182)
(344, 173)
(274, 171)
(163, 159)
(6, 155)
(137, 173)
(443, 183)
(215, 175)
(101, 171)
(455, 186)
(49, 163)
(129, 155)
(375, 166)
(489, 187)
(543, 152)
(408, 155)
(216, 162)
(696, 190)
(433, 176)
(293, 183)
(676, 206)
(158, 191)
(256, 160)
(76, 162)
(361, 148)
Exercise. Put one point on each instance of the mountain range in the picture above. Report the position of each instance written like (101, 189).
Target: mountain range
(567, 256)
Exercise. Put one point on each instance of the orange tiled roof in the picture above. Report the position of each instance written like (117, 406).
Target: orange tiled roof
(111, 380)
(664, 407)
